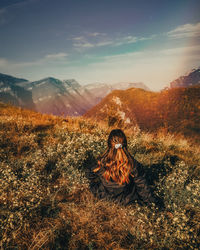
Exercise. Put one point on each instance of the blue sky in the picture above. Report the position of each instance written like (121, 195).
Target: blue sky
(151, 41)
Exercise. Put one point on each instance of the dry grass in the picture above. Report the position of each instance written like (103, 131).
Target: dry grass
(45, 202)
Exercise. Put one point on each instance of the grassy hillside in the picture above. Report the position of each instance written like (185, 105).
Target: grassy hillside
(44, 197)
(175, 110)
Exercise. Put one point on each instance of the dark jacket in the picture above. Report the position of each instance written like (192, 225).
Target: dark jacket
(136, 189)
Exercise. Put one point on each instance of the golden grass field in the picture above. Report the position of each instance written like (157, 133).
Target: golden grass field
(45, 202)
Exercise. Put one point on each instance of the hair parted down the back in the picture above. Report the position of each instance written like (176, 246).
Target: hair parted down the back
(116, 161)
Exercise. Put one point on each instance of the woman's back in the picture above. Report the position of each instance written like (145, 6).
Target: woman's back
(117, 175)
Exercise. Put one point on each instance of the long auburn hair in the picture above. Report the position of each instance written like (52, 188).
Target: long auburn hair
(116, 160)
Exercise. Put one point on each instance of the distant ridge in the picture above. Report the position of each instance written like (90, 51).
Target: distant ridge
(176, 109)
(7, 79)
(190, 79)
(12, 92)
(128, 85)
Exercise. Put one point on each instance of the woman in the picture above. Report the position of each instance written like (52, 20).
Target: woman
(116, 175)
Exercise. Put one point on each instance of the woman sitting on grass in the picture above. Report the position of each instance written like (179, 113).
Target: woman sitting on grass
(116, 175)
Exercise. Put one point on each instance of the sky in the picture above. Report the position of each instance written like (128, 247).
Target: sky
(100, 41)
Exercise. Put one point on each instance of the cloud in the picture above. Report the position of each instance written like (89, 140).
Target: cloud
(148, 56)
(92, 40)
(78, 38)
(95, 34)
(83, 45)
(156, 68)
(46, 60)
(185, 31)
(86, 45)
(96, 39)
(56, 56)
(192, 50)
(104, 43)
(88, 35)
(126, 56)
(131, 39)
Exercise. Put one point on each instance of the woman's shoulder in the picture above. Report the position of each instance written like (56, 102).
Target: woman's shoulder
(138, 168)
(135, 161)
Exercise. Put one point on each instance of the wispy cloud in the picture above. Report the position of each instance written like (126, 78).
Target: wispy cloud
(89, 35)
(56, 56)
(90, 40)
(78, 38)
(189, 50)
(50, 58)
(185, 31)
(96, 39)
(131, 39)
(145, 56)
(156, 68)
(83, 44)
(125, 56)
(95, 34)
(86, 45)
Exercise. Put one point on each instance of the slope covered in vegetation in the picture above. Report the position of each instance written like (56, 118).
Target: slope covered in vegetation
(176, 110)
(45, 201)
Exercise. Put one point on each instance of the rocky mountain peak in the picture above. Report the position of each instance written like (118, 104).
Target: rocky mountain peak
(6, 79)
(190, 79)
(48, 80)
(72, 83)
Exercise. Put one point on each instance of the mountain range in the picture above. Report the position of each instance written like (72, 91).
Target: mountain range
(68, 97)
(127, 105)
(53, 96)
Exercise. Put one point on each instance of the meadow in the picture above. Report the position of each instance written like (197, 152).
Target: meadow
(45, 201)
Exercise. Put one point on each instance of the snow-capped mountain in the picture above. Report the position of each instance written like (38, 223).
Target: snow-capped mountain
(128, 85)
(48, 95)
(12, 92)
(100, 90)
(57, 97)
(190, 79)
